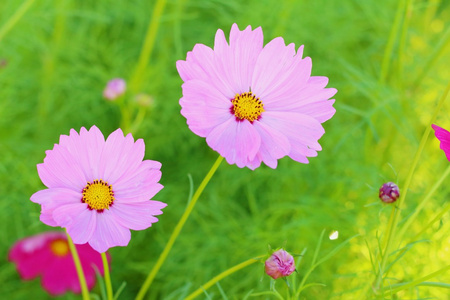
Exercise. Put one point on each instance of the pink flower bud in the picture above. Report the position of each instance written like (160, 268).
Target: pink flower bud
(114, 89)
(389, 192)
(280, 264)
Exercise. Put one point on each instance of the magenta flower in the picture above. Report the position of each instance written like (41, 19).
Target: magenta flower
(114, 89)
(252, 103)
(279, 264)
(98, 190)
(444, 137)
(48, 255)
(389, 192)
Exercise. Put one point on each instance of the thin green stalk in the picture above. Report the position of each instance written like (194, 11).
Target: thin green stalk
(385, 65)
(76, 260)
(148, 46)
(422, 204)
(222, 275)
(402, 41)
(393, 227)
(416, 282)
(15, 18)
(109, 291)
(435, 219)
(148, 281)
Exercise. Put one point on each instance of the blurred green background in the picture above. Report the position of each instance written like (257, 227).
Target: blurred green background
(57, 58)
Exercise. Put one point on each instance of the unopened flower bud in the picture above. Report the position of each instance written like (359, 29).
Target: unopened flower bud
(389, 192)
(279, 264)
(114, 89)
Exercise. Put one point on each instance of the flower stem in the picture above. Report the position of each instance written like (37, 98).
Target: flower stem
(15, 18)
(223, 275)
(109, 291)
(147, 48)
(148, 281)
(76, 260)
(396, 214)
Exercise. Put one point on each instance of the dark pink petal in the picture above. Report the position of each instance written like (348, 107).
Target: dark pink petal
(60, 276)
(108, 233)
(444, 137)
(79, 221)
(238, 142)
(137, 216)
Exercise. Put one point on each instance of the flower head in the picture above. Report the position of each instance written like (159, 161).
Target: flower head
(279, 264)
(389, 192)
(252, 103)
(114, 89)
(48, 255)
(444, 137)
(98, 190)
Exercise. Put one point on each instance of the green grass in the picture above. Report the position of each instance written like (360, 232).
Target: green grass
(390, 67)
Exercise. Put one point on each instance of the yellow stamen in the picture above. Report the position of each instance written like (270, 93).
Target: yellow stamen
(98, 195)
(247, 106)
(59, 247)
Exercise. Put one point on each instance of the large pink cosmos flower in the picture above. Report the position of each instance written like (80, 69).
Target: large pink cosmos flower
(48, 255)
(252, 103)
(444, 137)
(98, 190)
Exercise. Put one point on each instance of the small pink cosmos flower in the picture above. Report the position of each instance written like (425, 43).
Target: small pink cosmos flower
(444, 137)
(48, 255)
(98, 190)
(114, 89)
(279, 264)
(252, 103)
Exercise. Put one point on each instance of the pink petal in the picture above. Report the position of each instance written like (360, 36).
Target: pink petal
(444, 137)
(237, 62)
(204, 107)
(119, 154)
(278, 69)
(60, 276)
(79, 221)
(137, 216)
(61, 169)
(109, 233)
(302, 131)
(50, 199)
(321, 110)
(238, 142)
(274, 144)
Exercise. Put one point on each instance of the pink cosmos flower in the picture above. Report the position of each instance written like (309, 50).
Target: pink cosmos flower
(98, 190)
(279, 264)
(48, 254)
(252, 103)
(444, 137)
(114, 89)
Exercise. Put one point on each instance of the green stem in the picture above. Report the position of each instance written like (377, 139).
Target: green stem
(148, 281)
(393, 227)
(390, 44)
(15, 18)
(76, 260)
(222, 275)
(435, 219)
(422, 204)
(416, 282)
(148, 46)
(402, 41)
(109, 291)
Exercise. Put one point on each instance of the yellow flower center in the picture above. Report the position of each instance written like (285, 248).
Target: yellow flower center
(98, 195)
(59, 247)
(247, 106)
